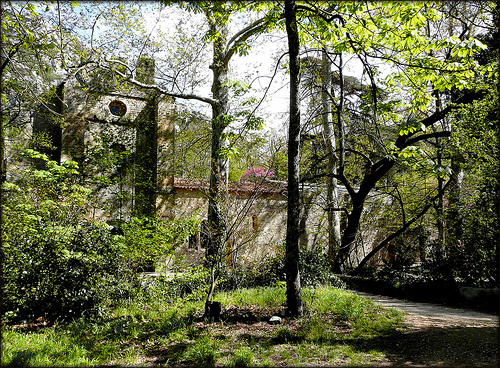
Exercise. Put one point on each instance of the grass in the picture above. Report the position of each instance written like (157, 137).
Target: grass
(46, 348)
(166, 333)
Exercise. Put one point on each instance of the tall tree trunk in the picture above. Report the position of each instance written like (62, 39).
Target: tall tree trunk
(293, 290)
(354, 216)
(332, 192)
(219, 164)
(454, 214)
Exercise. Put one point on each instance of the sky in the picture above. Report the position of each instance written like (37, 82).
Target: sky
(256, 68)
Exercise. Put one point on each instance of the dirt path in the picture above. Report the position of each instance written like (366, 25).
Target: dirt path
(441, 336)
(427, 315)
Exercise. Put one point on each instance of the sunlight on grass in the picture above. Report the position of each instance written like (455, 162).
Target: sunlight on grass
(258, 297)
(174, 333)
(45, 348)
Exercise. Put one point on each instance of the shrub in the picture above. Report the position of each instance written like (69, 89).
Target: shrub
(190, 284)
(55, 263)
(315, 269)
(148, 240)
(476, 261)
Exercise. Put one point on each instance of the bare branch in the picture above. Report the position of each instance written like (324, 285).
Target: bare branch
(154, 87)
(244, 35)
(401, 229)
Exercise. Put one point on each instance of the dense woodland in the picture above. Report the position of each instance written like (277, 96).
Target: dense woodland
(398, 99)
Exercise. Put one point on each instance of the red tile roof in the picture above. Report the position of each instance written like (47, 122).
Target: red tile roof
(261, 187)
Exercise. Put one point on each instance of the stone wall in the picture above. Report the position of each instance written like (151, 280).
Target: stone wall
(257, 220)
(124, 122)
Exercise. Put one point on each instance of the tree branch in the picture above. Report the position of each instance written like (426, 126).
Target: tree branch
(244, 35)
(400, 231)
(404, 141)
(324, 14)
(135, 82)
(250, 28)
(422, 137)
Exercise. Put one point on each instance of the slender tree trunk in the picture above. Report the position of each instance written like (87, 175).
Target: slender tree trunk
(219, 164)
(350, 232)
(354, 216)
(332, 193)
(440, 207)
(293, 290)
(454, 215)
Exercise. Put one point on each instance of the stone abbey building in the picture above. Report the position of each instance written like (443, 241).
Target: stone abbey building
(123, 139)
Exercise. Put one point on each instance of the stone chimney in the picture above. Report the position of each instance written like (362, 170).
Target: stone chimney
(145, 70)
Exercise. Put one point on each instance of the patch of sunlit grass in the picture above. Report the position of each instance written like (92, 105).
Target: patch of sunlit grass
(134, 332)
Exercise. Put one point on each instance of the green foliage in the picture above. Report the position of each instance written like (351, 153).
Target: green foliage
(56, 263)
(148, 240)
(204, 353)
(242, 358)
(343, 304)
(43, 350)
(475, 259)
(315, 269)
(190, 284)
(259, 296)
(134, 331)
(280, 164)
(192, 145)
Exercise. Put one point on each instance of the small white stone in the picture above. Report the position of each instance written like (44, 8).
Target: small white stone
(275, 320)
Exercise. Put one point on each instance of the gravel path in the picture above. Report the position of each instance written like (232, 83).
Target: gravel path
(439, 336)
(426, 314)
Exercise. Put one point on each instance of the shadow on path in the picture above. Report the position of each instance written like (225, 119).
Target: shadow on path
(434, 311)
(438, 336)
(438, 346)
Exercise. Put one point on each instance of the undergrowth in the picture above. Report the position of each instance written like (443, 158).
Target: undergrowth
(169, 333)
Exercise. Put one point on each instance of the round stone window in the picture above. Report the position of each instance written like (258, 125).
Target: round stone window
(117, 108)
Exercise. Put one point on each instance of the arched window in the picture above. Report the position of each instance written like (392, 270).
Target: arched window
(255, 222)
(193, 241)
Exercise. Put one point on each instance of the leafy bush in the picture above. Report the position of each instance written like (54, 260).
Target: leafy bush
(55, 263)
(315, 269)
(190, 284)
(476, 261)
(148, 240)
